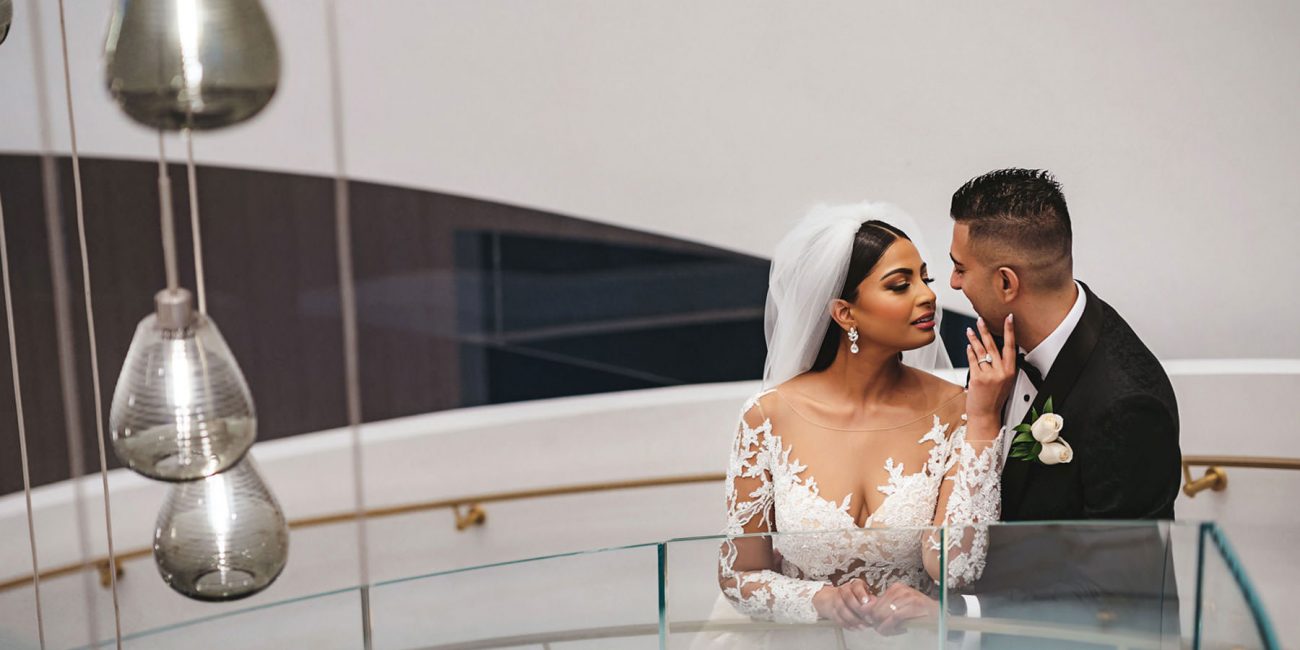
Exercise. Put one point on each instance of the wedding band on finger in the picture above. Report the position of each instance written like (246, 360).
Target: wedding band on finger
(987, 358)
(893, 607)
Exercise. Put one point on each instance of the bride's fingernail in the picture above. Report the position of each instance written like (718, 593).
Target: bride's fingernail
(1011, 318)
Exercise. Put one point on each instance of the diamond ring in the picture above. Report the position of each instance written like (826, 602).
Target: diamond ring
(988, 358)
(893, 607)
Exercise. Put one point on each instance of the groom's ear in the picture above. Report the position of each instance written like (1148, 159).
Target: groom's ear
(1008, 283)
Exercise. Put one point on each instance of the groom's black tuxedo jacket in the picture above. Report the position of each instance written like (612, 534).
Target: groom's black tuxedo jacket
(1121, 419)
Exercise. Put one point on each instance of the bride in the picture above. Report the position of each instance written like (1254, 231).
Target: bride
(850, 435)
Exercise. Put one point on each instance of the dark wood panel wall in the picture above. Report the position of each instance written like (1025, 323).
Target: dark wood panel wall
(272, 285)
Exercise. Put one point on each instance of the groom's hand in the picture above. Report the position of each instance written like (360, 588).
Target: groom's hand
(992, 374)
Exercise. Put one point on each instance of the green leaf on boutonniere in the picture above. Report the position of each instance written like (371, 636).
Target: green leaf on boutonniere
(1036, 449)
(1033, 412)
(1023, 428)
(1022, 437)
(1047, 407)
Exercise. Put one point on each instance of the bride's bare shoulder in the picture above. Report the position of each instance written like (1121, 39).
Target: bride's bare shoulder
(774, 403)
(933, 384)
(944, 397)
(798, 385)
(759, 407)
(801, 392)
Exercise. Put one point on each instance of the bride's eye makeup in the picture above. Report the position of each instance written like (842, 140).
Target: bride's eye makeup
(907, 284)
(900, 288)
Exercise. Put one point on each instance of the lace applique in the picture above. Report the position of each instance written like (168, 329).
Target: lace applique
(745, 463)
(763, 594)
(975, 502)
(766, 486)
(776, 597)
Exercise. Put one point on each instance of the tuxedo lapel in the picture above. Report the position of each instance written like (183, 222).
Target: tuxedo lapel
(1056, 385)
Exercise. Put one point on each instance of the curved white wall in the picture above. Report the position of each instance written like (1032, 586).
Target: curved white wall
(1171, 124)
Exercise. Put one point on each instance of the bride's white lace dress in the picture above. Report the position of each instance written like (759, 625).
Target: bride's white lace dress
(923, 473)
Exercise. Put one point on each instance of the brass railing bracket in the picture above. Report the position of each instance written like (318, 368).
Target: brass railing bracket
(474, 515)
(1216, 478)
(102, 566)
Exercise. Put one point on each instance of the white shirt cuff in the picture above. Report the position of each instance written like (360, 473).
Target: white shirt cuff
(971, 640)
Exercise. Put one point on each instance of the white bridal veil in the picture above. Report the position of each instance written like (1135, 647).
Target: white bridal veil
(808, 271)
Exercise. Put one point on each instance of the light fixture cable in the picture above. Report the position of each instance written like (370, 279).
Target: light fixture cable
(56, 244)
(191, 174)
(22, 427)
(90, 328)
(347, 295)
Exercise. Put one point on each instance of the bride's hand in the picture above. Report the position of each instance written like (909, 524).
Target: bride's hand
(846, 604)
(898, 604)
(992, 374)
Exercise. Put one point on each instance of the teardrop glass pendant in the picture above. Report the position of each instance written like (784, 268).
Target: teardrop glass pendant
(181, 410)
(200, 64)
(6, 18)
(221, 538)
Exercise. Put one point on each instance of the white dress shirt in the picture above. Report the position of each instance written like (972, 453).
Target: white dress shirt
(1042, 357)
(1022, 397)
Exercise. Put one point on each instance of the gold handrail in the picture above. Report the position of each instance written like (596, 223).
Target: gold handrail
(1216, 478)
(1255, 462)
(474, 515)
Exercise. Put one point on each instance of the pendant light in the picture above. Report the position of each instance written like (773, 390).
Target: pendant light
(6, 18)
(198, 64)
(221, 538)
(181, 410)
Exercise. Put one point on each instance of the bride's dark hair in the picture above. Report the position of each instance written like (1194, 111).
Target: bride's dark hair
(869, 245)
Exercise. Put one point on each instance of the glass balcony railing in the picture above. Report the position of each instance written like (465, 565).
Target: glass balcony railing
(1133, 585)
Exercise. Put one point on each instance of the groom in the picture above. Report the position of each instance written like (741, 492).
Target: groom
(1012, 254)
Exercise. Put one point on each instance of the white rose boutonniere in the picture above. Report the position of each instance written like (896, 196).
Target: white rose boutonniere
(1056, 452)
(1047, 428)
(1042, 441)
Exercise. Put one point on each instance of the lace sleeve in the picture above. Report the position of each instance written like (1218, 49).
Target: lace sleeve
(746, 572)
(969, 499)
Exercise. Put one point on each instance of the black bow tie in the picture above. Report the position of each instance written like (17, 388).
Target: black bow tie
(1035, 377)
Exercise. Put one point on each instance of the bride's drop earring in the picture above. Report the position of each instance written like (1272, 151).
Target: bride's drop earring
(853, 338)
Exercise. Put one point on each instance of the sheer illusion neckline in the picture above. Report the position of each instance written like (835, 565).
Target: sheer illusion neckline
(790, 405)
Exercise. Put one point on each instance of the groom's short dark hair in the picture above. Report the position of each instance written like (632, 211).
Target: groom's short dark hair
(1019, 217)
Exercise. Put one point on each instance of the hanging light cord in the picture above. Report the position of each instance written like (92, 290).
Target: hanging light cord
(22, 428)
(167, 219)
(192, 174)
(90, 329)
(347, 296)
(72, 428)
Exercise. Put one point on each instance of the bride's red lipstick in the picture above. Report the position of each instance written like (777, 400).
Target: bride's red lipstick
(925, 322)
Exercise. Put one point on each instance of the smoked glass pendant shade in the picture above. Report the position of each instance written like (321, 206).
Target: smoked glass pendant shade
(181, 410)
(221, 538)
(6, 18)
(200, 64)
